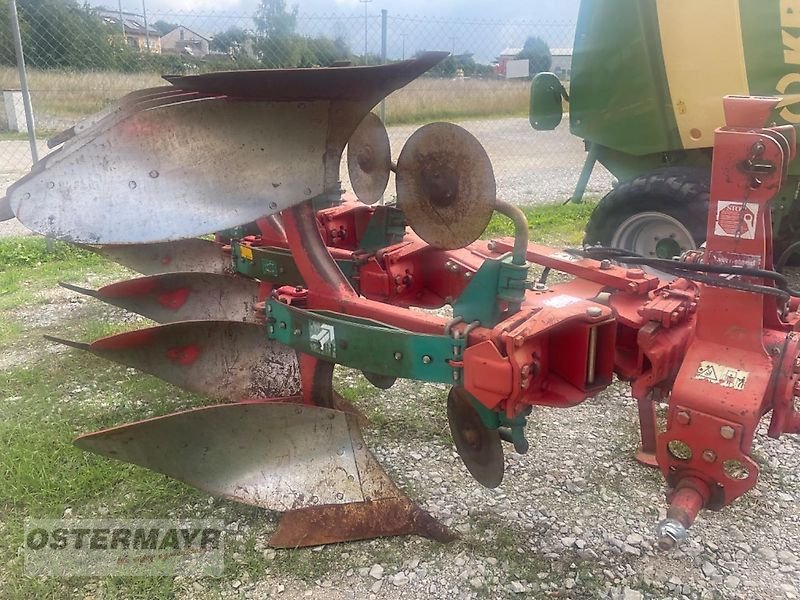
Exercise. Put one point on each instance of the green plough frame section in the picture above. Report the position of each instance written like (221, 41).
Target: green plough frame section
(366, 345)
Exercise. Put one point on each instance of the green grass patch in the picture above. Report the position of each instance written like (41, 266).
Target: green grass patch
(28, 265)
(34, 251)
(548, 223)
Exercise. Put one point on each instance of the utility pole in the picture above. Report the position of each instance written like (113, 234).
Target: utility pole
(23, 81)
(121, 22)
(146, 28)
(453, 39)
(404, 36)
(366, 28)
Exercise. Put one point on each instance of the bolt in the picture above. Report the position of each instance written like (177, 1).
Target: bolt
(154, 174)
(269, 307)
(539, 287)
(467, 275)
(683, 418)
(605, 264)
(282, 325)
(727, 432)
(427, 359)
(273, 205)
(398, 356)
(670, 532)
(709, 456)
(132, 185)
(297, 332)
(594, 312)
(51, 185)
(491, 246)
(635, 274)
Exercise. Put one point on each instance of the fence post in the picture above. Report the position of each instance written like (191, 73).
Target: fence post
(384, 33)
(23, 79)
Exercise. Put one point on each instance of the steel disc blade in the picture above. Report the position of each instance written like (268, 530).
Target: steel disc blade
(445, 185)
(339, 83)
(168, 257)
(480, 448)
(278, 456)
(369, 159)
(178, 171)
(225, 360)
(172, 297)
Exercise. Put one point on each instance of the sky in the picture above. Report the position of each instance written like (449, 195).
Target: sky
(480, 27)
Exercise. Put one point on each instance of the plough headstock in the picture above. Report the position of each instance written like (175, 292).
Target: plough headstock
(308, 278)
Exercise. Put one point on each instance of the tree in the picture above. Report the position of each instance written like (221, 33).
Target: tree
(230, 41)
(273, 21)
(164, 27)
(62, 34)
(537, 52)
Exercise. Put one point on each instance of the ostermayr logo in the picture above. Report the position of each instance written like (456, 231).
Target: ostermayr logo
(69, 547)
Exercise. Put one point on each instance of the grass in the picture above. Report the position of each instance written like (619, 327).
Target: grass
(62, 97)
(50, 398)
(558, 224)
(430, 99)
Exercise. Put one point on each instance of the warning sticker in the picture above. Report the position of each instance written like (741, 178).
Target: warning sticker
(736, 219)
(323, 337)
(246, 252)
(733, 259)
(721, 375)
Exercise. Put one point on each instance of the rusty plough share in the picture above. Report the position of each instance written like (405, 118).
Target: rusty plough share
(302, 277)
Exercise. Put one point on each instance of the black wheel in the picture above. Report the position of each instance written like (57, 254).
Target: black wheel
(660, 214)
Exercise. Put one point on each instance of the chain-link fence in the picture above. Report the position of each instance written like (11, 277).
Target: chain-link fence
(81, 58)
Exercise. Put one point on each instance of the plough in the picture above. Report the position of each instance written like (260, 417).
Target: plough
(301, 276)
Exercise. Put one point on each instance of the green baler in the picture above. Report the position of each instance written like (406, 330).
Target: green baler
(648, 77)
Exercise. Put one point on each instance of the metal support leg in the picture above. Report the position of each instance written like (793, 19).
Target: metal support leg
(586, 173)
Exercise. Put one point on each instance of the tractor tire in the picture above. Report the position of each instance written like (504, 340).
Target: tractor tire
(660, 214)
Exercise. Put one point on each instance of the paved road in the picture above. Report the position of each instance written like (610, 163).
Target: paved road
(530, 166)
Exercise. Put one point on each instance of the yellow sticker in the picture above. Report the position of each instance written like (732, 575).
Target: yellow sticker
(246, 252)
(729, 377)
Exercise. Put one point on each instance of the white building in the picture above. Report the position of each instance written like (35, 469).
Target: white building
(562, 62)
(183, 40)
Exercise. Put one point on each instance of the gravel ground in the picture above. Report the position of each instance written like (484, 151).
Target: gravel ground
(574, 517)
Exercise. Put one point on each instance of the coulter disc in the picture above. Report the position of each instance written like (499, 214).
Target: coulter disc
(369, 159)
(445, 185)
(479, 447)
